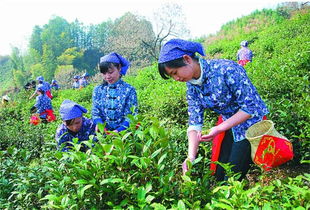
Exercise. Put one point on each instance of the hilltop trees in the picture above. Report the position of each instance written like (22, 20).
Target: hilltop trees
(126, 38)
(60, 44)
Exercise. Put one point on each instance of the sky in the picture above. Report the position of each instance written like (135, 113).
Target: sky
(204, 17)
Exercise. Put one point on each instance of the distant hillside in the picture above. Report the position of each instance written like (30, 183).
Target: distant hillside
(225, 43)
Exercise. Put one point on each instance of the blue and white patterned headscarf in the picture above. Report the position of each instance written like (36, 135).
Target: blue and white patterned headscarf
(176, 48)
(40, 78)
(244, 43)
(85, 74)
(116, 58)
(70, 110)
(41, 87)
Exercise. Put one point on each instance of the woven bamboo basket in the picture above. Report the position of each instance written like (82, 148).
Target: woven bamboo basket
(255, 133)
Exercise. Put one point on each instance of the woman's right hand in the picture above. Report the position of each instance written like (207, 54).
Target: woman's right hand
(184, 165)
(209, 137)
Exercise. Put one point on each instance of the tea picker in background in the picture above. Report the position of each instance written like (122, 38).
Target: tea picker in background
(84, 80)
(43, 106)
(76, 82)
(30, 85)
(219, 85)
(5, 99)
(54, 85)
(113, 100)
(74, 126)
(244, 54)
(45, 86)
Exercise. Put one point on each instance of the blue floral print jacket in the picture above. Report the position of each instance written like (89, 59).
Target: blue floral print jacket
(225, 89)
(76, 85)
(64, 135)
(55, 86)
(43, 102)
(244, 54)
(112, 103)
(83, 82)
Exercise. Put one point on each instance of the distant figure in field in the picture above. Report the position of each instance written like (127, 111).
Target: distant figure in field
(54, 85)
(5, 99)
(76, 82)
(43, 106)
(27, 86)
(74, 126)
(30, 85)
(46, 87)
(244, 55)
(84, 80)
(33, 84)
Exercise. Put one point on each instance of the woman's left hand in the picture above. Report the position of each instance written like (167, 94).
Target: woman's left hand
(210, 136)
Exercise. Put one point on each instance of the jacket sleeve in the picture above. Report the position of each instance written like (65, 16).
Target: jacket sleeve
(131, 108)
(97, 114)
(195, 110)
(246, 95)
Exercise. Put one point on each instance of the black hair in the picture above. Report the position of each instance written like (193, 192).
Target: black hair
(105, 66)
(69, 122)
(41, 91)
(177, 63)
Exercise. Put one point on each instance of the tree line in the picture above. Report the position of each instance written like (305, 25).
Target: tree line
(60, 49)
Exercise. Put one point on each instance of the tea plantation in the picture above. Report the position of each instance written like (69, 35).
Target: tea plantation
(141, 168)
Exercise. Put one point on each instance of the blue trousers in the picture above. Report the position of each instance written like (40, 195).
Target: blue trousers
(237, 154)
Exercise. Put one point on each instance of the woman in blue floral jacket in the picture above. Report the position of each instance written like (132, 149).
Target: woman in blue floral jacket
(114, 99)
(43, 105)
(222, 86)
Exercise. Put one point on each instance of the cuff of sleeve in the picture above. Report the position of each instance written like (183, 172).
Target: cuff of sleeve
(98, 120)
(248, 112)
(194, 127)
(123, 126)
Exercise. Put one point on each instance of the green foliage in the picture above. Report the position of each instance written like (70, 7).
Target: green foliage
(68, 56)
(164, 99)
(19, 77)
(37, 70)
(49, 63)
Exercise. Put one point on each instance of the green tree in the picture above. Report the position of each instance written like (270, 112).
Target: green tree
(49, 62)
(37, 70)
(56, 34)
(19, 77)
(31, 58)
(17, 59)
(68, 57)
(36, 40)
(78, 33)
(100, 34)
(88, 61)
